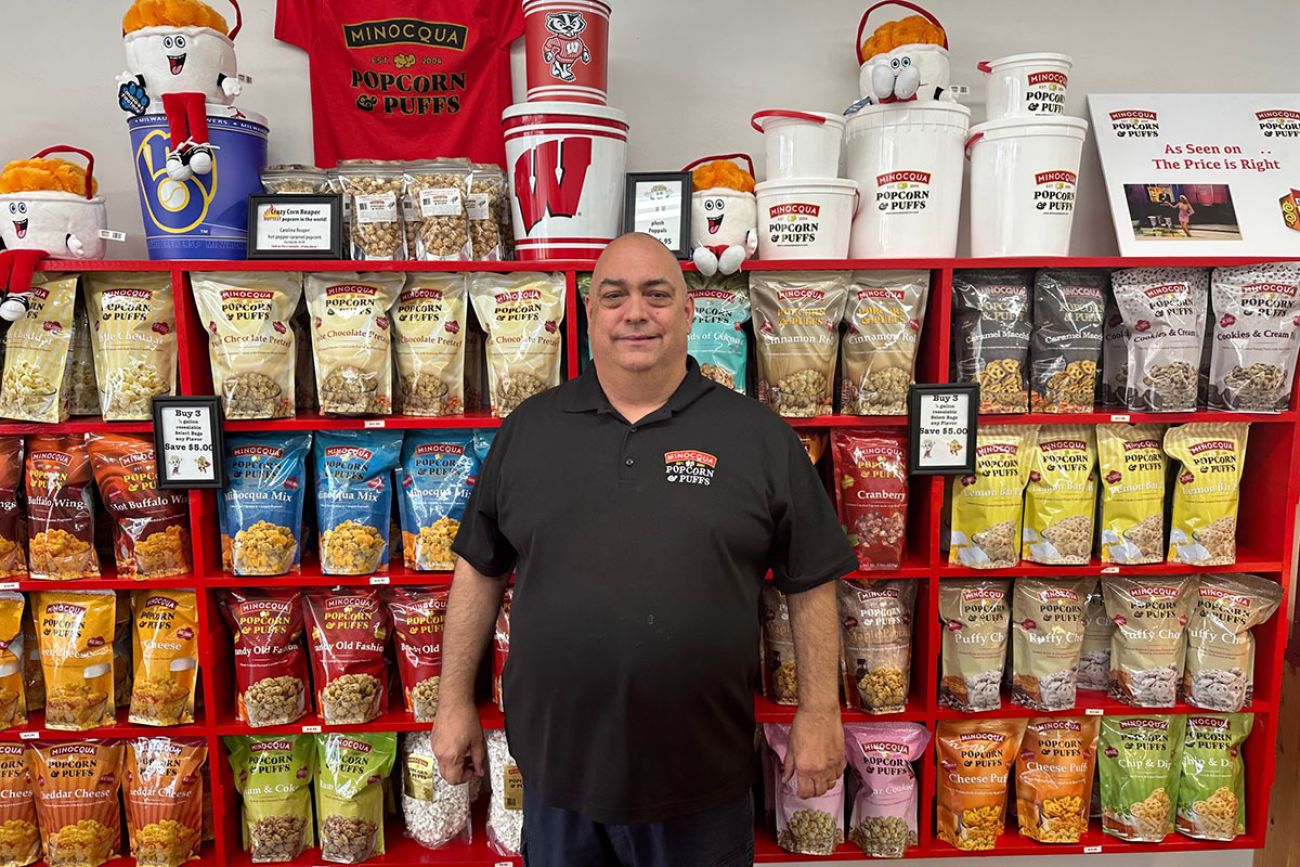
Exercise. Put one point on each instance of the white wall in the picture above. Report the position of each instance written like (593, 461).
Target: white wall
(689, 73)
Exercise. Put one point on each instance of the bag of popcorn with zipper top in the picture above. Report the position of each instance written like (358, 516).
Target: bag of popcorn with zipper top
(133, 335)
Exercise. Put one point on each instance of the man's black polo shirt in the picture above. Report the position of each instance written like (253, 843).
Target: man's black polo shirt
(639, 551)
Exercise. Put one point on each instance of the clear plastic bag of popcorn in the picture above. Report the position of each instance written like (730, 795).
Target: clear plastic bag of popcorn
(374, 191)
(438, 191)
(133, 335)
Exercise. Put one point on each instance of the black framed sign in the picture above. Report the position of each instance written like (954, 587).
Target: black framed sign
(190, 448)
(291, 226)
(941, 423)
(659, 204)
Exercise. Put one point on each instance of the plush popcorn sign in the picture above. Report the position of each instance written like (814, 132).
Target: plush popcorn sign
(179, 58)
(724, 213)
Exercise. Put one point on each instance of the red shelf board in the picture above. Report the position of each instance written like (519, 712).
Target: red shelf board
(1247, 561)
(312, 576)
(35, 729)
(1088, 704)
(1094, 842)
(397, 720)
(78, 425)
(106, 581)
(396, 422)
(202, 265)
(898, 421)
(1106, 416)
(401, 851)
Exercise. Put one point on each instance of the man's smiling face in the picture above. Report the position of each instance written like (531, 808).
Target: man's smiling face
(638, 312)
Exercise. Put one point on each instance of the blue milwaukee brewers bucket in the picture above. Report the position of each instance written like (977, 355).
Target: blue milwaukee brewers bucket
(205, 217)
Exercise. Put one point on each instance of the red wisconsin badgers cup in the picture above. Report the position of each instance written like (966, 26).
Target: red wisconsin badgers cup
(567, 45)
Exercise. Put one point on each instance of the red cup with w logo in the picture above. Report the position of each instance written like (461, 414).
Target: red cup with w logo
(565, 162)
(567, 46)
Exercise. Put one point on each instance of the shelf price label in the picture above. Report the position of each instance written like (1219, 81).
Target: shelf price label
(1092, 850)
(8, 585)
(1121, 417)
(373, 422)
(378, 580)
(30, 735)
(190, 447)
(941, 429)
(311, 730)
(1110, 570)
(1092, 711)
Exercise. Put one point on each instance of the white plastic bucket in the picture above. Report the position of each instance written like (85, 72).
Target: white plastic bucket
(1023, 178)
(565, 162)
(805, 218)
(907, 160)
(800, 144)
(1027, 85)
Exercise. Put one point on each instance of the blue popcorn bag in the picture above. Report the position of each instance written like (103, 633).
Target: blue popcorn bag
(354, 471)
(435, 476)
(260, 510)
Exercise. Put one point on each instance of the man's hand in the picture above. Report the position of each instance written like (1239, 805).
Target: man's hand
(457, 741)
(816, 752)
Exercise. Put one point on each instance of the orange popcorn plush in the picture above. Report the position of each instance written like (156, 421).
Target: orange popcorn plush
(903, 60)
(724, 174)
(912, 30)
(724, 214)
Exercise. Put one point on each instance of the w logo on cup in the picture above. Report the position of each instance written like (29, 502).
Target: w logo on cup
(549, 179)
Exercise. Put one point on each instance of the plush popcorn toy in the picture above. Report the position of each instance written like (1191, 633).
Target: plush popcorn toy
(48, 208)
(903, 60)
(724, 213)
(178, 52)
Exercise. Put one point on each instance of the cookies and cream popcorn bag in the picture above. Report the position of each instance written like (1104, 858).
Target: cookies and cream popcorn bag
(1256, 336)
(133, 336)
(1164, 315)
(521, 313)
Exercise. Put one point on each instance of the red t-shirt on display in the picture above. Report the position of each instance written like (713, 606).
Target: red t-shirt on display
(405, 80)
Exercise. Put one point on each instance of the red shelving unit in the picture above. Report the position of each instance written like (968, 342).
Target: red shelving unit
(1271, 487)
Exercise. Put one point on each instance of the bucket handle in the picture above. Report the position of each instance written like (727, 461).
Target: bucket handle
(239, 21)
(90, 163)
(971, 141)
(862, 25)
(780, 112)
(748, 161)
(984, 67)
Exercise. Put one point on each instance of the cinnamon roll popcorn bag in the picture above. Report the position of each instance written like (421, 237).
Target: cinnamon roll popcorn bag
(975, 615)
(1131, 471)
(260, 510)
(1164, 314)
(1148, 648)
(37, 380)
(251, 344)
(434, 478)
(1212, 792)
(1054, 773)
(351, 339)
(429, 326)
(975, 760)
(151, 538)
(1207, 488)
(1219, 673)
(1140, 762)
(522, 314)
(164, 631)
(354, 475)
(1256, 336)
(883, 318)
(797, 333)
(75, 634)
(1060, 501)
(987, 506)
(76, 785)
(60, 508)
(133, 335)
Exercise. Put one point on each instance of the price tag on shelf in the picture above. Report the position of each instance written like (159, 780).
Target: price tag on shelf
(311, 730)
(1092, 711)
(110, 235)
(8, 585)
(373, 422)
(191, 449)
(504, 864)
(30, 735)
(378, 580)
(1118, 418)
(941, 429)
(1092, 850)
(1109, 570)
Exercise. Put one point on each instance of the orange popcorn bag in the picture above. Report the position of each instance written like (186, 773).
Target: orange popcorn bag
(60, 514)
(76, 785)
(163, 791)
(75, 634)
(164, 632)
(13, 693)
(20, 838)
(150, 539)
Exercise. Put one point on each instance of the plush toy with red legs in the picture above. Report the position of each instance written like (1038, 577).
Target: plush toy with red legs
(48, 208)
(179, 59)
(724, 213)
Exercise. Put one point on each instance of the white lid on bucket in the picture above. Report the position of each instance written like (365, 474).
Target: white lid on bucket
(1030, 57)
(807, 185)
(542, 109)
(1012, 127)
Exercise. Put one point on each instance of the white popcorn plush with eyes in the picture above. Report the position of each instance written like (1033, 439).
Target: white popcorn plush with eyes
(903, 61)
(48, 208)
(179, 58)
(724, 215)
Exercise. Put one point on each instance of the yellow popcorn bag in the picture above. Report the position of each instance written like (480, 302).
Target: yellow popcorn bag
(164, 630)
(1131, 468)
(37, 380)
(1203, 531)
(1060, 498)
(76, 785)
(133, 337)
(13, 704)
(20, 837)
(522, 314)
(987, 505)
(75, 633)
(975, 760)
(1054, 773)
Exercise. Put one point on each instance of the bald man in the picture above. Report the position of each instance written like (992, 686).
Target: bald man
(640, 508)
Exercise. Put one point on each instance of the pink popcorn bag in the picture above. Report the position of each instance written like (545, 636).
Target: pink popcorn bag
(804, 826)
(883, 819)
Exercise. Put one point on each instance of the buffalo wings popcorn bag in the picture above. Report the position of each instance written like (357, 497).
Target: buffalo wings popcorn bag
(1139, 758)
(37, 380)
(20, 837)
(521, 314)
(796, 331)
(273, 777)
(1219, 672)
(1212, 792)
(347, 632)
(1054, 772)
(270, 660)
(133, 335)
(871, 492)
(150, 538)
(1207, 487)
(164, 631)
(351, 339)
(60, 517)
(75, 634)
(1148, 648)
(76, 786)
(883, 815)
(163, 792)
(1061, 496)
(13, 524)
(987, 506)
(975, 761)
(1131, 469)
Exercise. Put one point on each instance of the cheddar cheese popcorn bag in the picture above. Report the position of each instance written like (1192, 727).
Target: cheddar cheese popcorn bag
(987, 505)
(164, 633)
(261, 508)
(20, 837)
(163, 792)
(76, 785)
(354, 499)
(150, 535)
(133, 334)
(60, 513)
(1203, 530)
(37, 380)
(75, 632)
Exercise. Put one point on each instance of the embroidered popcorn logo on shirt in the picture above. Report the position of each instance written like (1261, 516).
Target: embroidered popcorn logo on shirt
(689, 467)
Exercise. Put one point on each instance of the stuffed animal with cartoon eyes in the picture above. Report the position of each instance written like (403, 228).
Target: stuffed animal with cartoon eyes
(48, 208)
(179, 53)
(724, 214)
(903, 60)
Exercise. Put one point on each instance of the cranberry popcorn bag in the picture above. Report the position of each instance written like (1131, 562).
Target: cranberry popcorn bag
(871, 492)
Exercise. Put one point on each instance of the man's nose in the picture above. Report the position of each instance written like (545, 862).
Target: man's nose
(635, 309)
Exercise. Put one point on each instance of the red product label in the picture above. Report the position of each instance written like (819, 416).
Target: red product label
(347, 637)
(871, 495)
(267, 628)
(419, 615)
(1048, 78)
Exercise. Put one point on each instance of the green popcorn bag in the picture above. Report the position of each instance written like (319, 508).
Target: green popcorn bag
(1212, 794)
(273, 774)
(350, 772)
(1139, 759)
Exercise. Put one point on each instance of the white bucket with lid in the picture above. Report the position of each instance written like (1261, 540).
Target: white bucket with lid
(800, 144)
(907, 160)
(805, 218)
(565, 162)
(1023, 179)
(1027, 85)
